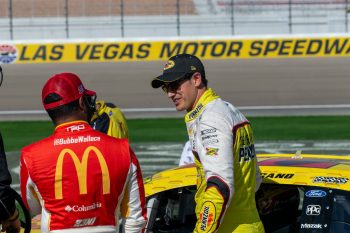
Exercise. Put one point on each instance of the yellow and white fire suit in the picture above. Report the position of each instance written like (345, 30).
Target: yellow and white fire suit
(228, 174)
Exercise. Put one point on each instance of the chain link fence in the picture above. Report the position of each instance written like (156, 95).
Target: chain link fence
(60, 19)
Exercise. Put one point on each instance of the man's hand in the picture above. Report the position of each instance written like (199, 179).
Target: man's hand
(12, 225)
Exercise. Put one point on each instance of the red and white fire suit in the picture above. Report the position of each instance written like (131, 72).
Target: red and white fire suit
(228, 174)
(82, 180)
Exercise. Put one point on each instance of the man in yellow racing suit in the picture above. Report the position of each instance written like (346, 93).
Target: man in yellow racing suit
(110, 120)
(223, 146)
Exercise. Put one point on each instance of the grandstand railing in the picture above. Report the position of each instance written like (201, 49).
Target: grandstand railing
(58, 19)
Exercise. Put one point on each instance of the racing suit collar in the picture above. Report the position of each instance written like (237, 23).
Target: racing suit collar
(208, 96)
(69, 126)
(99, 111)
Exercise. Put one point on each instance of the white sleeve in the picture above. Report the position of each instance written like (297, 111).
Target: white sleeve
(134, 203)
(186, 155)
(258, 177)
(216, 155)
(29, 190)
(32, 198)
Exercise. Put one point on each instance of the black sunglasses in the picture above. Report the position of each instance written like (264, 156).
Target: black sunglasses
(90, 101)
(174, 86)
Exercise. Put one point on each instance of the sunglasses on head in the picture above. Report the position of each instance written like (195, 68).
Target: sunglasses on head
(174, 86)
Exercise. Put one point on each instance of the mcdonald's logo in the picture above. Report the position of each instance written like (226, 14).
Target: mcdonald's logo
(81, 168)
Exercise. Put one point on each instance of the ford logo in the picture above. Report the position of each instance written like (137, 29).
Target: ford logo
(315, 193)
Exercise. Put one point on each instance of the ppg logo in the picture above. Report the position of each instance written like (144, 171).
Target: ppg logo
(313, 210)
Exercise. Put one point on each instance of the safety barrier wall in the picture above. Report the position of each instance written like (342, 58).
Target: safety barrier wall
(161, 48)
(68, 19)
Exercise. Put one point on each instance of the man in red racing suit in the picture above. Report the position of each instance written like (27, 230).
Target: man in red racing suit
(79, 179)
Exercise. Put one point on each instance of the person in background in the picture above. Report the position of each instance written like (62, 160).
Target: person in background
(9, 216)
(79, 179)
(186, 155)
(223, 145)
(110, 120)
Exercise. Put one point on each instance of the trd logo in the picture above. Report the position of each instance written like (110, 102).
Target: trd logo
(313, 210)
(75, 128)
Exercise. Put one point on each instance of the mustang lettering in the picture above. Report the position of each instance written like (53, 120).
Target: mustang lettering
(277, 175)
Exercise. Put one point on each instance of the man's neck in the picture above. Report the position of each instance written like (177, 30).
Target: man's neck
(199, 95)
(68, 119)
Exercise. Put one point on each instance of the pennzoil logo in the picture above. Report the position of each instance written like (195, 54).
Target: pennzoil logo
(147, 180)
(207, 217)
(81, 168)
(211, 151)
(169, 64)
(8, 54)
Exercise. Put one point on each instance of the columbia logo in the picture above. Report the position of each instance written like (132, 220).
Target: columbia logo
(68, 208)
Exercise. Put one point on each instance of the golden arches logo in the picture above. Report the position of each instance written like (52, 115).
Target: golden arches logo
(81, 168)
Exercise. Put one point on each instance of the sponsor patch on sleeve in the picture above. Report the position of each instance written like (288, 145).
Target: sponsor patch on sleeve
(212, 151)
(207, 217)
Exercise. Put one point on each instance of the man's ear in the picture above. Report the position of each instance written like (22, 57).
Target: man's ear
(82, 103)
(197, 78)
(98, 106)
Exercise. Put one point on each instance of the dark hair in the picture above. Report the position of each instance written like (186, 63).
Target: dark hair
(52, 97)
(204, 80)
(111, 105)
(60, 111)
